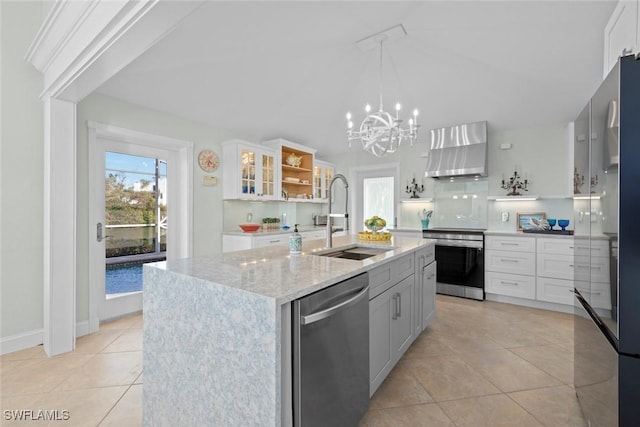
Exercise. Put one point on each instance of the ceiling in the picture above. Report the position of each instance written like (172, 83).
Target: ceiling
(292, 69)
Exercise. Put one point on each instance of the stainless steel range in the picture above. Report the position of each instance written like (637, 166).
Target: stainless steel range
(460, 261)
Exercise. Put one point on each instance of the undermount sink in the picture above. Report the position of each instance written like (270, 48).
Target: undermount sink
(356, 252)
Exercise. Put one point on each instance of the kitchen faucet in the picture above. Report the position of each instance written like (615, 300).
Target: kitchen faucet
(330, 215)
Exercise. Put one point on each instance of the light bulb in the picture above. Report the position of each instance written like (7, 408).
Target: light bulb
(410, 122)
(398, 106)
(350, 124)
(415, 112)
(348, 115)
(367, 108)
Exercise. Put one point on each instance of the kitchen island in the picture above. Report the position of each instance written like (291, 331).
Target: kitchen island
(216, 334)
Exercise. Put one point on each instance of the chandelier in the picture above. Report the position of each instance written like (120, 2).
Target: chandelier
(381, 133)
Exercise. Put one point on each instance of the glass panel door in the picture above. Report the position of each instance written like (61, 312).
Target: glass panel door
(135, 219)
(378, 198)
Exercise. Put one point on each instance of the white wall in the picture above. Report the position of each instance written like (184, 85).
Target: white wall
(21, 173)
(542, 153)
(207, 200)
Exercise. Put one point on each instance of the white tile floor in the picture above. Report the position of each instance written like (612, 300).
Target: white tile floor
(478, 364)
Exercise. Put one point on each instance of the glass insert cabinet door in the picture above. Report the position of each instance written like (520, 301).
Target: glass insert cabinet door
(322, 175)
(268, 180)
(248, 167)
(258, 173)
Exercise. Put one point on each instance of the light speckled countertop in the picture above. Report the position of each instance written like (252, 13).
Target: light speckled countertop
(274, 273)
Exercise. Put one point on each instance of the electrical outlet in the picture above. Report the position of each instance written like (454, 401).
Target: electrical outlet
(505, 216)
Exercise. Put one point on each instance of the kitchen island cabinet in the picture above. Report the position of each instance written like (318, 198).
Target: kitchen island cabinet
(217, 330)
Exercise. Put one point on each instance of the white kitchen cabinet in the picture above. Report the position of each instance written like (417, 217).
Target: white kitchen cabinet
(392, 312)
(380, 352)
(322, 176)
(554, 290)
(428, 295)
(621, 35)
(401, 316)
(238, 242)
(511, 262)
(512, 285)
(274, 239)
(546, 268)
(598, 294)
(556, 265)
(510, 267)
(511, 243)
(425, 290)
(294, 163)
(249, 171)
(391, 331)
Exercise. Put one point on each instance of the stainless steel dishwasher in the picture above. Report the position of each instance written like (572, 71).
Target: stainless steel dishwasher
(331, 355)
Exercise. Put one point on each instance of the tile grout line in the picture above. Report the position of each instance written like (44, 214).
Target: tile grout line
(115, 404)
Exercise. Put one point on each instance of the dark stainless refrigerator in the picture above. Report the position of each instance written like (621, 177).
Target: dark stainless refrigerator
(607, 276)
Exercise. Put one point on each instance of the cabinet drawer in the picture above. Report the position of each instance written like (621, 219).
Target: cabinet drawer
(380, 279)
(260, 242)
(513, 285)
(561, 245)
(598, 270)
(598, 294)
(556, 266)
(429, 254)
(554, 290)
(310, 235)
(383, 277)
(599, 248)
(510, 262)
(511, 243)
(403, 267)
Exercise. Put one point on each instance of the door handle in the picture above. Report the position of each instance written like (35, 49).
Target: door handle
(99, 235)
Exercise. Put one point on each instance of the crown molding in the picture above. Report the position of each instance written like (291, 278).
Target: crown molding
(80, 45)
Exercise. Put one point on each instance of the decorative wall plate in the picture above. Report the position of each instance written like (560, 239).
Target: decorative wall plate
(208, 160)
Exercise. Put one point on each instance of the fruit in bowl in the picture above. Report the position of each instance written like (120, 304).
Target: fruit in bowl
(375, 223)
(249, 228)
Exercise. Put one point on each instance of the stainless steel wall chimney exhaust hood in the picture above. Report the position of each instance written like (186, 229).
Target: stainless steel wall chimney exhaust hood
(458, 151)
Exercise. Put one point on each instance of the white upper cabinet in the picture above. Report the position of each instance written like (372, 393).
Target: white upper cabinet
(621, 35)
(322, 176)
(249, 171)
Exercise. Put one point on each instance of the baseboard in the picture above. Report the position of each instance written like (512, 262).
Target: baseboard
(34, 338)
(21, 341)
(530, 303)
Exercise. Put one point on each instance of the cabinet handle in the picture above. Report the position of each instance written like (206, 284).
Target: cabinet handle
(399, 300)
(509, 244)
(274, 241)
(509, 283)
(508, 260)
(394, 316)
